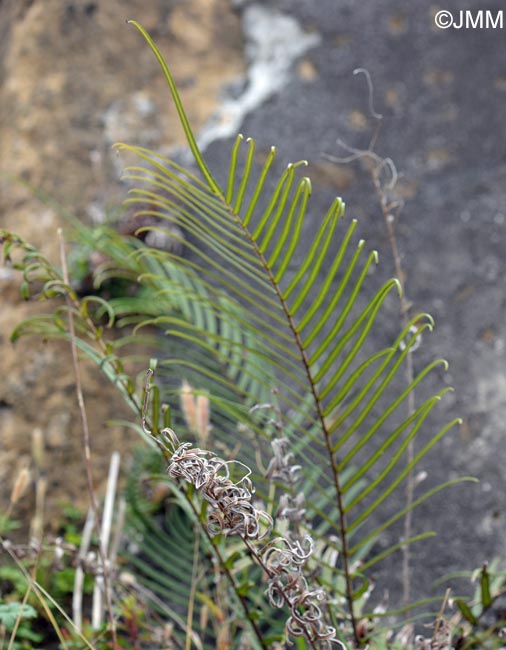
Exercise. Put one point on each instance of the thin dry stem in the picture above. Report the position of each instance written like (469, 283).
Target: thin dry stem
(390, 208)
(440, 619)
(77, 592)
(228, 573)
(193, 590)
(86, 438)
(37, 523)
(388, 211)
(119, 523)
(105, 531)
(24, 602)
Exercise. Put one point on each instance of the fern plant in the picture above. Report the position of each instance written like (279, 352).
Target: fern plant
(243, 322)
(308, 331)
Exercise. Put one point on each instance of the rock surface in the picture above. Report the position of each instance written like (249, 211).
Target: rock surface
(441, 93)
(74, 79)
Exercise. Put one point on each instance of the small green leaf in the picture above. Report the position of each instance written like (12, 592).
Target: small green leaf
(203, 510)
(360, 591)
(25, 290)
(167, 416)
(217, 539)
(7, 524)
(245, 587)
(466, 612)
(229, 564)
(10, 612)
(486, 597)
(64, 582)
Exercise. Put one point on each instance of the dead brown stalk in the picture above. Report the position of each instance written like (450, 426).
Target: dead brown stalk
(87, 443)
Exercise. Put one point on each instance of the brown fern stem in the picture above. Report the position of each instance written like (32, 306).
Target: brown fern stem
(319, 409)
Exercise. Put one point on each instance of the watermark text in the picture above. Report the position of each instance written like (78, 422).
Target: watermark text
(467, 19)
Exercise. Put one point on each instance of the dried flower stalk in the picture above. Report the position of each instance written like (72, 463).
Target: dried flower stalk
(233, 513)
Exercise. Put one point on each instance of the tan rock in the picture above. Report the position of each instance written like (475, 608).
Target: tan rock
(74, 78)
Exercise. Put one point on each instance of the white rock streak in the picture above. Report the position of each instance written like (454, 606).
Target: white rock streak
(273, 42)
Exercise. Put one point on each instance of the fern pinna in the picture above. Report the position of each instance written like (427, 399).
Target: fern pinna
(307, 330)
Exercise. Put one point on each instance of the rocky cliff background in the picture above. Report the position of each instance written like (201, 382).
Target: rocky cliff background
(74, 79)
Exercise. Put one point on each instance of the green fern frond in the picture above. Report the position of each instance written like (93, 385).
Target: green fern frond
(248, 242)
(242, 316)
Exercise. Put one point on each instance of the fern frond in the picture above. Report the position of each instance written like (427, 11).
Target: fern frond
(242, 315)
(249, 247)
